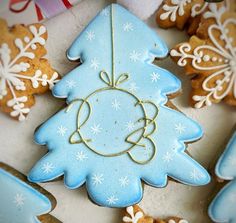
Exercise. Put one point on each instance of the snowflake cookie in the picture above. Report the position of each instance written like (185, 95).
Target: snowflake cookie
(184, 13)
(22, 201)
(23, 71)
(181, 13)
(222, 208)
(210, 55)
(117, 130)
(134, 214)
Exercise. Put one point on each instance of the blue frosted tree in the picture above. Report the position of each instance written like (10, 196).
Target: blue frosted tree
(223, 207)
(21, 202)
(117, 130)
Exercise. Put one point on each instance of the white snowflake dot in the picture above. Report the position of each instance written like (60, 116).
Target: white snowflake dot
(61, 130)
(97, 179)
(19, 200)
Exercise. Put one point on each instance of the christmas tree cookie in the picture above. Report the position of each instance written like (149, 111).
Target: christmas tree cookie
(117, 130)
(23, 70)
(21, 201)
(222, 208)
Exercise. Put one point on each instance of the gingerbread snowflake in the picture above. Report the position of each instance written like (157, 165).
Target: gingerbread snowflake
(23, 71)
(134, 214)
(211, 56)
(179, 13)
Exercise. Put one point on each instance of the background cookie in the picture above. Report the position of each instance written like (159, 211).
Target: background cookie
(184, 13)
(22, 201)
(181, 13)
(210, 55)
(23, 70)
(134, 214)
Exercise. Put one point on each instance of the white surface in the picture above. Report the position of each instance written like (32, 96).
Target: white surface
(17, 147)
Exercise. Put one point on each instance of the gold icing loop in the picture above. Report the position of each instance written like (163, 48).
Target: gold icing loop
(104, 76)
(142, 134)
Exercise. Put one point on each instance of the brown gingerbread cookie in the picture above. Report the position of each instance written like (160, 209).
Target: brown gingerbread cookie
(210, 55)
(184, 13)
(179, 13)
(134, 214)
(23, 70)
(22, 201)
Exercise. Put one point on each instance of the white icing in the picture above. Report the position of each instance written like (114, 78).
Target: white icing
(224, 60)
(134, 218)
(181, 221)
(198, 9)
(177, 7)
(10, 77)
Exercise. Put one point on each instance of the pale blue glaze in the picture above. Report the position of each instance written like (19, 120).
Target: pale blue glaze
(116, 181)
(19, 202)
(223, 207)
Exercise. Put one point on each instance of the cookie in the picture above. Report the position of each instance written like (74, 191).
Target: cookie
(22, 201)
(222, 208)
(117, 127)
(134, 214)
(23, 70)
(210, 56)
(181, 13)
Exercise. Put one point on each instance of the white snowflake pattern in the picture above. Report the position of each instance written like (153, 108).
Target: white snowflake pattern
(218, 52)
(90, 35)
(94, 64)
(105, 12)
(176, 7)
(124, 181)
(133, 217)
(112, 200)
(81, 156)
(61, 130)
(134, 56)
(180, 128)
(19, 200)
(47, 167)
(97, 179)
(195, 175)
(133, 87)
(155, 77)
(130, 126)
(128, 26)
(96, 129)
(167, 157)
(70, 84)
(11, 76)
(116, 105)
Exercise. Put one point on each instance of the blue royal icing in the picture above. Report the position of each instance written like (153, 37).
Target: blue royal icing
(19, 202)
(117, 130)
(222, 208)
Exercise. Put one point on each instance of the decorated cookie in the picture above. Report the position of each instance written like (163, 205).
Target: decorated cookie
(222, 208)
(117, 130)
(134, 214)
(184, 13)
(23, 70)
(181, 13)
(210, 56)
(21, 201)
